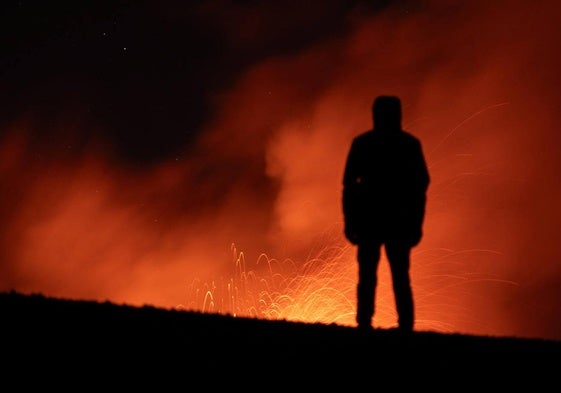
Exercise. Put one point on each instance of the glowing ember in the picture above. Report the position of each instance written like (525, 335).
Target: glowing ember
(323, 290)
(320, 290)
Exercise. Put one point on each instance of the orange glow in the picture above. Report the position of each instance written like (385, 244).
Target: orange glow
(322, 289)
(480, 88)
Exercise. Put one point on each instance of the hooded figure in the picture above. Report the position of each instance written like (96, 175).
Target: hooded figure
(384, 196)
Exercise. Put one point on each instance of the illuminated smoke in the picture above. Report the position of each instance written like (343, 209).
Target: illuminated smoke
(479, 83)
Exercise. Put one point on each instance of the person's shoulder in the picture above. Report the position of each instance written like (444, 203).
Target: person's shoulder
(409, 137)
(365, 136)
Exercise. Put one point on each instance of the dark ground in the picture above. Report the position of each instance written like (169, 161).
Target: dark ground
(86, 345)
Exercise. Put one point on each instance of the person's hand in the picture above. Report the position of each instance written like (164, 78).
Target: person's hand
(351, 235)
(415, 237)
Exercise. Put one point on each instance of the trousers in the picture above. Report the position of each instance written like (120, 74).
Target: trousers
(368, 256)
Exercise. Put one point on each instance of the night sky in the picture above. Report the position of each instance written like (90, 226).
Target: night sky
(147, 73)
(151, 150)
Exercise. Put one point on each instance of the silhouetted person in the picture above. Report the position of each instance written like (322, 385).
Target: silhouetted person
(384, 195)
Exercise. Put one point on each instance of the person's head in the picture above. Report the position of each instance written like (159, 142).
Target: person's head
(386, 112)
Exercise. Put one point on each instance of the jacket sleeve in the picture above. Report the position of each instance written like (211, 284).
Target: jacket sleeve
(422, 180)
(424, 177)
(351, 181)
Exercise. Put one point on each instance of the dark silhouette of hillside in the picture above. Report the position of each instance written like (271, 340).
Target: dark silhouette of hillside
(81, 345)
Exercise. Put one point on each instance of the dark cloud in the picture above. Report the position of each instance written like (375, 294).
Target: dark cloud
(143, 72)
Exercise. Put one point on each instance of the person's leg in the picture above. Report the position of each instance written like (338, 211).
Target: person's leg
(368, 256)
(399, 261)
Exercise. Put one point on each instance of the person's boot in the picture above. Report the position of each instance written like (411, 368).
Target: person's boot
(365, 307)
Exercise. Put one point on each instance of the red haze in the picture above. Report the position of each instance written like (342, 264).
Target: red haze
(480, 86)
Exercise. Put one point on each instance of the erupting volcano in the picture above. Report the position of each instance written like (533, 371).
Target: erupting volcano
(191, 156)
